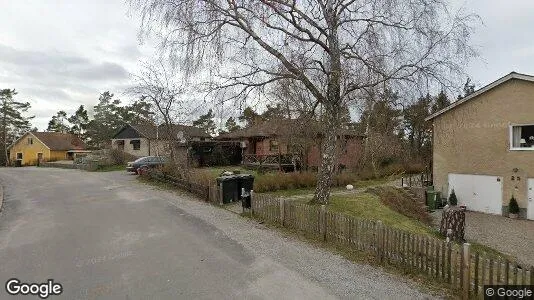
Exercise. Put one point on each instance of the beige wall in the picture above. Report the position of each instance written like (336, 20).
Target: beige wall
(128, 148)
(147, 147)
(474, 138)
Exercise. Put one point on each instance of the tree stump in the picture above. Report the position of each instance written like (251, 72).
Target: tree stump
(453, 218)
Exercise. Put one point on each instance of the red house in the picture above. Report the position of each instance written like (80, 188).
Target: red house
(290, 144)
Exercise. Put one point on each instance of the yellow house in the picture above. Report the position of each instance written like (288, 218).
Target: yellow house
(34, 147)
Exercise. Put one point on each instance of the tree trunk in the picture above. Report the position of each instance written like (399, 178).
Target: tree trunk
(328, 160)
(332, 108)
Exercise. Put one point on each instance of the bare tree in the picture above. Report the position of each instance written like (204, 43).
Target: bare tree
(334, 48)
(159, 83)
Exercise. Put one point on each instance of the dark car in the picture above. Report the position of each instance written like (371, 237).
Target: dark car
(146, 162)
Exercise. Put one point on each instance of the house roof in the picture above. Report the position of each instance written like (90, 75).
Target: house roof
(60, 141)
(152, 131)
(484, 89)
(277, 128)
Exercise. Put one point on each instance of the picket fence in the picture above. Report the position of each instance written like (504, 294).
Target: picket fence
(460, 266)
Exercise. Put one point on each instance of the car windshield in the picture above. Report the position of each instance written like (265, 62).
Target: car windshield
(142, 159)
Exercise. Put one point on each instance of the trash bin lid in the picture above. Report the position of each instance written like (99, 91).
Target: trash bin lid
(244, 175)
(226, 178)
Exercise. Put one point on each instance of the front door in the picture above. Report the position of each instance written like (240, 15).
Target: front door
(39, 158)
(530, 204)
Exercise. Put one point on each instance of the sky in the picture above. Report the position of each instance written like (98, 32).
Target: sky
(59, 54)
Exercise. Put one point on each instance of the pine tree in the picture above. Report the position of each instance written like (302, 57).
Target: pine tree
(58, 123)
(231, 125)
(79, 121)
(441, 102)
(13, 122)
(206, 122)
(249, 116)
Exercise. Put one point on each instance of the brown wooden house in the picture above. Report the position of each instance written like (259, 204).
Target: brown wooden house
(291, 144)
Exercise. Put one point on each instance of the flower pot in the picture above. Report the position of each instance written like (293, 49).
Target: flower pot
(512, 216)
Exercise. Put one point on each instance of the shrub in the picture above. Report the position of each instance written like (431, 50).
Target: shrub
(452, 199)
(118, 157)
(513, 207)
(401, 202)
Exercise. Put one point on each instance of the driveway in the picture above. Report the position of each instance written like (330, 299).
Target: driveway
(107, 236)
(512, 237)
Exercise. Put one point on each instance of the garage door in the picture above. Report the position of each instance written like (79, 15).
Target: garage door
(478, 192)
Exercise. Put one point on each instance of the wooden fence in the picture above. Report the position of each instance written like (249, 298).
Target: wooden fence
(460, 266)
(208, 193)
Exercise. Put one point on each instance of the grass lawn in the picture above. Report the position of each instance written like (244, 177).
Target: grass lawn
(216, 171)
(368, 206)
(309, 191)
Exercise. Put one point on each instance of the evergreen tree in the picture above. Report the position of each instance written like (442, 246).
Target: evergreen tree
(468, 89)
(206, 122)
(79, 121)
(441, 102)
(231, 125)
(249, 116)
(108, 119)
(140, 111)
(418, 130)
(58, 123)
(13, 122)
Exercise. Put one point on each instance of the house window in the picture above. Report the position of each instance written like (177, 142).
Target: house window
(30, 141)
(273, 146)
(522, 137)
(19, 155)
(136, 144)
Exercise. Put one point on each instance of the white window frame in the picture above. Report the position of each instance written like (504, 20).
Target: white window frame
(511, 140)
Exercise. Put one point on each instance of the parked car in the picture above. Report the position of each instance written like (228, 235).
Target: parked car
(146, 163)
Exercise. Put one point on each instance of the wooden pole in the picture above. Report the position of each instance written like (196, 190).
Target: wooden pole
(282, 211)
(323, 221)
(466, 271)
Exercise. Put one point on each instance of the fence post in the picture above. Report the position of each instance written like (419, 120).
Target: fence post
(322, 219)
(466, 270)
(251, 202)
(378, 232)
(220, 187)
(282, 211)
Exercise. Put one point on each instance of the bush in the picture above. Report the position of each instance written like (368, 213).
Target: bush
(283, 181)
(118, 157)
(452, 199)
(401, 202)
(513, 207)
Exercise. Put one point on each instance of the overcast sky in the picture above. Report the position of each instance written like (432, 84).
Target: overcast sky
(60, 54)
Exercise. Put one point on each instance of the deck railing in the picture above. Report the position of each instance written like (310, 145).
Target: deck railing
(269, 159)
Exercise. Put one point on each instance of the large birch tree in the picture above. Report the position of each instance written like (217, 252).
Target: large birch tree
(336, 49)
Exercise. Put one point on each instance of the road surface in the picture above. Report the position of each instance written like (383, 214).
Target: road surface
(108, 236)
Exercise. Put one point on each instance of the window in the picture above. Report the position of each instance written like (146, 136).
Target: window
(30, 141)
(273, 146)
(136, 144)
(522, 137)
(19, 155)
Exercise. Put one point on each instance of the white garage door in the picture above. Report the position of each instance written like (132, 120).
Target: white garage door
(478, 192)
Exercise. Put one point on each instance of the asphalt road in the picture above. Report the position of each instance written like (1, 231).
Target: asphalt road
(108, 236)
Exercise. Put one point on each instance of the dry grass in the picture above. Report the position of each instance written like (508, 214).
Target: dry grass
(399, 201)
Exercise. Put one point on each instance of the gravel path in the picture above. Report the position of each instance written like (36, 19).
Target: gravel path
(512, 237)
(343, 278)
